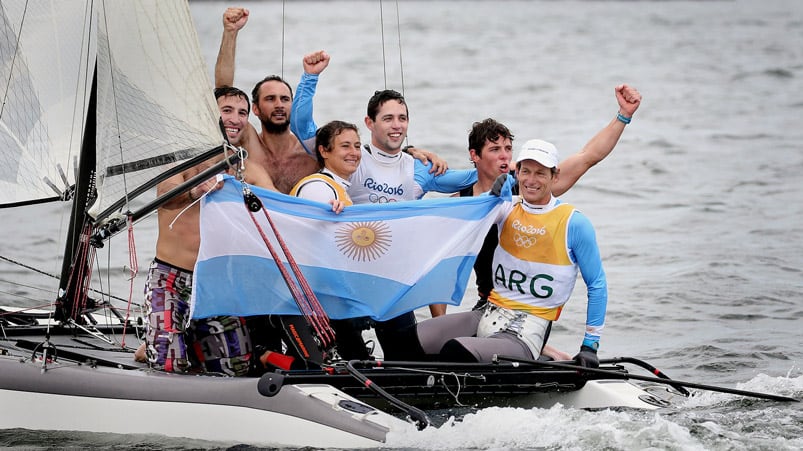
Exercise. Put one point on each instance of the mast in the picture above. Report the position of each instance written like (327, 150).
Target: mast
(70, 290)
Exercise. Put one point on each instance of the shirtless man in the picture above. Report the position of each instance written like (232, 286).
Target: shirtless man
(219, 344)
(275, 147)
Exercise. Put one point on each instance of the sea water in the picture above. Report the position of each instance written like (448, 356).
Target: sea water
(698, 211)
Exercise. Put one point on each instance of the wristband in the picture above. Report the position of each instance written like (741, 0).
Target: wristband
(623, 119)
(594, 345)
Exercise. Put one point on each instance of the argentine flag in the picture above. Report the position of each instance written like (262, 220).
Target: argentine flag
(376, 260)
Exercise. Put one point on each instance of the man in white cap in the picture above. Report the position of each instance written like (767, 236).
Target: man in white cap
(542, 245)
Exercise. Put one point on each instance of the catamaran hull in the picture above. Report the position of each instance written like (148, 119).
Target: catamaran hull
(210, 408)
(96, 386)
(442, 385)
(598, 394)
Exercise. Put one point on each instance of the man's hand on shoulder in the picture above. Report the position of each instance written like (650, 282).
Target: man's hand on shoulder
(235, 18)
(439, 165)
(315, 62)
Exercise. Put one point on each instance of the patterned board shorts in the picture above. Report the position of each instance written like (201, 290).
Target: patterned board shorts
(219, 344)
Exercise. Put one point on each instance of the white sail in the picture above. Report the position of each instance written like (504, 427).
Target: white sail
(44, 55)
(155, 101)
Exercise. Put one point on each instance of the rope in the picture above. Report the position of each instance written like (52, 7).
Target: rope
(132, 261)
(85, 274)
(398, 31)
(315, 305)
(15, 262)
(305, 303)
(39, 271)
(382, 33)
(115, 103)
(37, 307)
(13, 60)
(302, 293)
(283, 17)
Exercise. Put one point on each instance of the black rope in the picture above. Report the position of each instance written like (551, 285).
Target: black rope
(39, 271)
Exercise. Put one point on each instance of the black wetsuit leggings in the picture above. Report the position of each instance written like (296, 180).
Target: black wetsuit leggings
(348, 337)
(398, 338)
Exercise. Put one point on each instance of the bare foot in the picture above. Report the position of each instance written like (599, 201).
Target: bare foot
(139, 354)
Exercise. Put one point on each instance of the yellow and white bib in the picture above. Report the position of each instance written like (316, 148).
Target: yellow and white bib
(532, 268)
(338, 192)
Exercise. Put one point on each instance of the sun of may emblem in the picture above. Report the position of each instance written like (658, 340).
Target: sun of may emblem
(363, 241)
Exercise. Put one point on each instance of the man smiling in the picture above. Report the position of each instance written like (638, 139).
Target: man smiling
(233, 106)
(542, 245)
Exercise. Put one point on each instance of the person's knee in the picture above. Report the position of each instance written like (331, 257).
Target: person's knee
(454, 351)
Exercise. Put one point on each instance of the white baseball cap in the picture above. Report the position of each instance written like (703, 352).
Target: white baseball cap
(540, 151)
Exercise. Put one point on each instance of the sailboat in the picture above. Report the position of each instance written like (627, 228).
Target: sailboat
(108, 98)
(101, 100)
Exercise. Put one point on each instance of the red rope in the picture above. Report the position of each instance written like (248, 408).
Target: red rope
(315, 304)
(134, 265)
(294, 289)
(82, 277)
(305, 298)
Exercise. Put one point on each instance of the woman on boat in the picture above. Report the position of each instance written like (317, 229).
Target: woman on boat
(337, 147)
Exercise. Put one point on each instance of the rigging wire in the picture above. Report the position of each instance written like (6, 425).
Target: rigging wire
(134, 269)
(26, 309)
(382, 34)
(39, 271)
(15, 262)
(107, 313)
(114, 98)
(398, 34)
(282, 58)
(13, 60)
(398, 31)
(79, 107)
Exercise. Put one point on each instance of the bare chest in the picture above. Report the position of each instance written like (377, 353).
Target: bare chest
(286, 170)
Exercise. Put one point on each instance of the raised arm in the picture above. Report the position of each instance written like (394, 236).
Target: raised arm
(234, 19)
(601, 145)
(302, 123)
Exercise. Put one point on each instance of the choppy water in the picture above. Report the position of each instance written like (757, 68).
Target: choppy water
(698, 211)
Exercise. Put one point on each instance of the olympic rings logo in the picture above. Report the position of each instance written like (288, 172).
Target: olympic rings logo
(377, 199)
(524, 240)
